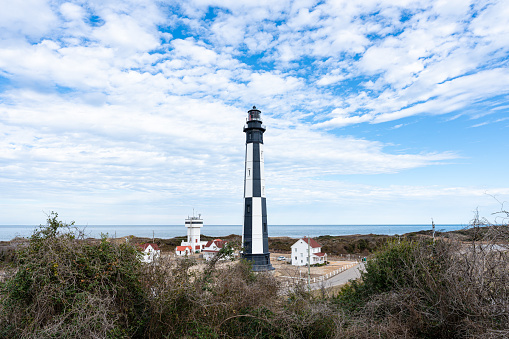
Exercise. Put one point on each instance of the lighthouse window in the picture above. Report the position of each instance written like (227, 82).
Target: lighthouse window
(250, 136)
(248, 172)
(248, 208)
(264, 227)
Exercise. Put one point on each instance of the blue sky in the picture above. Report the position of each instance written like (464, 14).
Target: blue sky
(131, 112)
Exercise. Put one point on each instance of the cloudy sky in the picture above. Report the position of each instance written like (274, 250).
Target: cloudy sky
(131, 112)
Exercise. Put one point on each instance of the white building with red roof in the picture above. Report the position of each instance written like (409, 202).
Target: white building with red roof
(183, 250)
(150, 252)
(212, 248)
(195, 245)
(307, 248)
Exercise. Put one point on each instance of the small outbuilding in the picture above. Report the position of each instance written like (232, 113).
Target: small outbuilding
(306, 248)
(150, 252)
(183, 250)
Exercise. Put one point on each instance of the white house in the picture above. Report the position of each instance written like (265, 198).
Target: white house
(212, 248)
(183, 250)
(300, 252)
(149, 251)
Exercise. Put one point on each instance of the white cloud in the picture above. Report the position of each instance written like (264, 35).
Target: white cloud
(72, 12)
(124, 33)
(33, 18)
(456, 94)
(267, 84)
(304, 19)
(194, 53)
(330, 79)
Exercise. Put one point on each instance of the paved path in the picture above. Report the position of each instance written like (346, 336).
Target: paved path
(341, 278)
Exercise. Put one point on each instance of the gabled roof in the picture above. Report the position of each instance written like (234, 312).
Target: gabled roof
(183, 248)
(218, 242)
(144, 246)
(312, 242)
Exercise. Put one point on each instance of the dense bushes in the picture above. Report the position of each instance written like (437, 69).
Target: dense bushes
(205, 304)
(429, 289)
(65, 286)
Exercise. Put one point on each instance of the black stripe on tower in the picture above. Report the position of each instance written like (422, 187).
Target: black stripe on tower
(264, 225)
(248, 225)
(254, 135)
(257, 183)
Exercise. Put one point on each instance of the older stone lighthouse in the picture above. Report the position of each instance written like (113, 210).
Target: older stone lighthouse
(255, 236)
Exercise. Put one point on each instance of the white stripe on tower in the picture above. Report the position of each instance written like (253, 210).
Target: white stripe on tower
(257, 231)
(248, 181)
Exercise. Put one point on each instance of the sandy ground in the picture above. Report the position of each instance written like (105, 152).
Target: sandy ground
(286, 270)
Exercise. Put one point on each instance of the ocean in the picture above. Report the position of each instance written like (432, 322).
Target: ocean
(8, 232)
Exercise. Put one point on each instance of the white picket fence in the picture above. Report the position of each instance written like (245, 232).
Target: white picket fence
(333, 273)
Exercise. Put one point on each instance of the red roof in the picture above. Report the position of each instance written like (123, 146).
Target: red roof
(319, 254)
(312, 242)
(219, 243)
(183, 248)
(144, 246)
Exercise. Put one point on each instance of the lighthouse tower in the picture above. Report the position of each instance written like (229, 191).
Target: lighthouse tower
(255, 236)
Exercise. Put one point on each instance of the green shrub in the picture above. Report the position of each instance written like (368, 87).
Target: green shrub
(427, 289)
(67, 287)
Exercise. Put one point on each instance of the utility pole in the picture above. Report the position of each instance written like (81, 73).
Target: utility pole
(433, 226)
(309, 265)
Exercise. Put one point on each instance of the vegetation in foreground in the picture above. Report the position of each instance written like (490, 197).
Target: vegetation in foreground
(63, 286)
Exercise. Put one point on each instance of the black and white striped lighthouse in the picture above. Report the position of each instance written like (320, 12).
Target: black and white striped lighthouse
(255, 236)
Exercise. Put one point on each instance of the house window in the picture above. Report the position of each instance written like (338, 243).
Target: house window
(295, 249)
(301, 255)
(295, 258)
